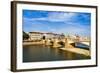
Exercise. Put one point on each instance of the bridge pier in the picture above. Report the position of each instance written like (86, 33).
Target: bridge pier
(48, 42)
(43, 42)
(55, 43)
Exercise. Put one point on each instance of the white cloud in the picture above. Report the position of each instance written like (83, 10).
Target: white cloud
(60, 16)
(54, 17)
(80, 30)
(70, 27)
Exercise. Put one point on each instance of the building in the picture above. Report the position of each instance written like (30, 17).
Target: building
(35, 35)
(40, 35)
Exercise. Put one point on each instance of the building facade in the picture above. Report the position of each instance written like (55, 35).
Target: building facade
(35, 35)
(40, 35)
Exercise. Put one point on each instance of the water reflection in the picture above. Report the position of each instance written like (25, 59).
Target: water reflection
(34, 53)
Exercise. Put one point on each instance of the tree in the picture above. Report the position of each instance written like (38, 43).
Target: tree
(25, 36)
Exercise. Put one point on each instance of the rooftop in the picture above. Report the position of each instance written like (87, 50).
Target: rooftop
(45, 33)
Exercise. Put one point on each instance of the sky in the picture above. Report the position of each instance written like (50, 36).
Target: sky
(74, 23)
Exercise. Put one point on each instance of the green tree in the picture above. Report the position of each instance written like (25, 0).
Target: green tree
(25, 36)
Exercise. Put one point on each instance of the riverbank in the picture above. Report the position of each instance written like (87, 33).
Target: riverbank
(32, 43)
(77, 50)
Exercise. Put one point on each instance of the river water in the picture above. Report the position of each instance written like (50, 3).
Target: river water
(36, 53)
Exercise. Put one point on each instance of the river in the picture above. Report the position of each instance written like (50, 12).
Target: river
(37, 53)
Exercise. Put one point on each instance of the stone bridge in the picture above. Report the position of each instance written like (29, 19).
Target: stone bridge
(67, 43)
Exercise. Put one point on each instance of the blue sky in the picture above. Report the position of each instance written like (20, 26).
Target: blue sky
(57, 22)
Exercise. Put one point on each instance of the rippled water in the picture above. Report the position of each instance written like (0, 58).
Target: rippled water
(35, 53)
